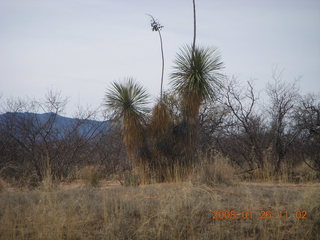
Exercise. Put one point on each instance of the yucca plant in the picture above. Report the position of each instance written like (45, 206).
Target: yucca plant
(196, 77)
(128, 103)
(160, 120)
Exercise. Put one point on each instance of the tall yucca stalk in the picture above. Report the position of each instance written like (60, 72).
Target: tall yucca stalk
(128, 103)
(157, 27)
(194, 25)
(196, 77)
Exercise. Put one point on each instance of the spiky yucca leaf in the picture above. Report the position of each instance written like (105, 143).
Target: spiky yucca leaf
(127, 100)
(198, 74)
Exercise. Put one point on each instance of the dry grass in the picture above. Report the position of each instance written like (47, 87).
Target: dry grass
(181, 209)
(160, 120)
(90, 174)
(303, 173)
(3, 185)
(159, 211)
(130, 179)
(215, 171)
(300, 173)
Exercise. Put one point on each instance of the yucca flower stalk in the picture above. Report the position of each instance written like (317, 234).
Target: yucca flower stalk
(157, 27)
(194, 26)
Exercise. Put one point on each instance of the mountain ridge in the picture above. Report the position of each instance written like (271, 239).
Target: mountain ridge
(60, 124)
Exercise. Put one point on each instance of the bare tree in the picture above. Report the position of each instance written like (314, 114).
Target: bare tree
(246, 127)
(283, 97)
(33, 141)
(213, 120)
(307, 122)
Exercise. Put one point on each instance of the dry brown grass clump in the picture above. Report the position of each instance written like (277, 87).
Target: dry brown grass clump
(214, 171)
(160, 120)
(130, 179)
(303, 173)
(161, 142)
(300, 173)
(47, 183)
(2, 185)
(90, 174)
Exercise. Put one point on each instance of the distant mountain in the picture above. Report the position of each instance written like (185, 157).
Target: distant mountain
(62, 126)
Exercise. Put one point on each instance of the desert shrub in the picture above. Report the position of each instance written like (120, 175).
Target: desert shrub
(130, 179)
(2, 185)
(303, 173)
(216, 170)
(314, 233)
(90, 174)
(94, 181)
(47, 183)
(287, 172)
(266, 172)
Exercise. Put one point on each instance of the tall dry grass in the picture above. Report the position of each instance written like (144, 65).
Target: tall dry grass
(90, 174)
(161, 211)
(179, 209)
(3, 185)
(215, 170)
(288, 173)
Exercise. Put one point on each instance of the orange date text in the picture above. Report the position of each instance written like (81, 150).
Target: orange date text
(259, 214)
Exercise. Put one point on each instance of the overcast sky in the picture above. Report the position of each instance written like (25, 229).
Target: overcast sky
(79, 47)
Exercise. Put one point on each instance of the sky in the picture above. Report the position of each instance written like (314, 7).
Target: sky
(79, 47)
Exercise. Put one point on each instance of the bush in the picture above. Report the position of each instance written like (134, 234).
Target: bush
(2, 185)
(90, 174)
(130, 179)
(216, 171)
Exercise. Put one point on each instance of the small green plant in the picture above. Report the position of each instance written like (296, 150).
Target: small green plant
(94, 180)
